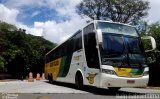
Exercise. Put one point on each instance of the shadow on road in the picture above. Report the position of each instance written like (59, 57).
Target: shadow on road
(97, 91)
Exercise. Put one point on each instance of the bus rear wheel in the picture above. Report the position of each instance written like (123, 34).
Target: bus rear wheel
(79, 81)
(50, 78)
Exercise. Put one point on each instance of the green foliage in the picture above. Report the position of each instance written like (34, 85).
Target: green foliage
(21, 52)
(2, 63)
(7, 27)
(125, 11)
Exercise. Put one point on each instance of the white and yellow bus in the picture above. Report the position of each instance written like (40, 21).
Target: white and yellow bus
(102, 54)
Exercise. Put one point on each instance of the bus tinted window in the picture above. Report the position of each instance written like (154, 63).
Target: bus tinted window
(88, 29)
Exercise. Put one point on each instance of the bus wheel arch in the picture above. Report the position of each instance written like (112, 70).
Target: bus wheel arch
(79, 81)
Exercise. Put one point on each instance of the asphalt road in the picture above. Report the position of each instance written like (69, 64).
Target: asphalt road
(44, 90)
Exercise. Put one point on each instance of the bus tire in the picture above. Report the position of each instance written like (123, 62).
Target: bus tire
(79, 80)
(50, 78)
(114, 88)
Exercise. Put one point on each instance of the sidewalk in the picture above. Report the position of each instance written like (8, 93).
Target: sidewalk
(152, 87)
(8, 80)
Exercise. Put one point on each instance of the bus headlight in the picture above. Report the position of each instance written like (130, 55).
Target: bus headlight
(107, 71)
(145, 73)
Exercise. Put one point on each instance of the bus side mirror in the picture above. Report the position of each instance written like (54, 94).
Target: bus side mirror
(152, 41)
(99, 36)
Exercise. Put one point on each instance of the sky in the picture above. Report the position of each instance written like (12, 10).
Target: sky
(55, 20)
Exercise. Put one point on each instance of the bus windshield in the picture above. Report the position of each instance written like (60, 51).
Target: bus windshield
(124, 51)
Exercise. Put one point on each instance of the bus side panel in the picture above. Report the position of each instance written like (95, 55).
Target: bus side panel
(69, 67)
(62, 67)
(65, 66)
(91, 76)
(52, 68)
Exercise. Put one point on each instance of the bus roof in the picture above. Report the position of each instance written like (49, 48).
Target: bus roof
(93, 21)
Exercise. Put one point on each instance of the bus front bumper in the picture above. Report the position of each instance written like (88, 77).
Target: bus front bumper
(115, 81)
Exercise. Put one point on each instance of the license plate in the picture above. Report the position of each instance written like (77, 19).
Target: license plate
(130, 81)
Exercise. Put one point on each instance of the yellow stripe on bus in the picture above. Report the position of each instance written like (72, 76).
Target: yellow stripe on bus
(53, 67)
(56, 67)
(123, 71)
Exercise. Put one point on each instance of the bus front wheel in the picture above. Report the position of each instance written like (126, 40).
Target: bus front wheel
(79, 81)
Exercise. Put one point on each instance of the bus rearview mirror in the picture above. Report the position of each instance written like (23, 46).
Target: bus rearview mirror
(99, 35)
(150, 41)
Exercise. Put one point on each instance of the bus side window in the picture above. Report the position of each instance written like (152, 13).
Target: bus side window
(90, 47)
(77, 41)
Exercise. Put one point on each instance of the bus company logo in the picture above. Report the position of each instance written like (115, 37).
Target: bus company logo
(121, 70)
(77, 57)
(91, 78)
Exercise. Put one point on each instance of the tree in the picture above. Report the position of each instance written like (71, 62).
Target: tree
(21, 52)
(125, 11)
(154, 31)
(2, 62)
(154, 56)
